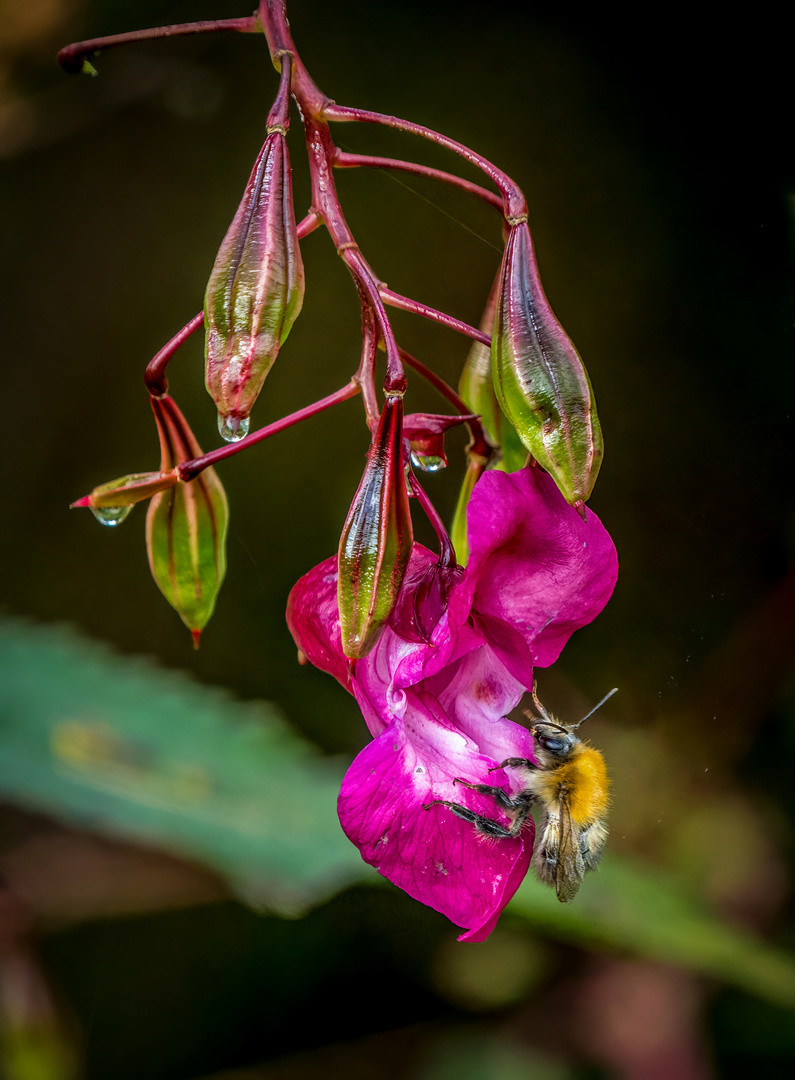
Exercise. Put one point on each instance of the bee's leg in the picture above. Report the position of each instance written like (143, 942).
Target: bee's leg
(483, 824)
(515, 763)
(497, 793)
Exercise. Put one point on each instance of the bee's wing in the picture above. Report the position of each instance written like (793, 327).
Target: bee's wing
(570, 868)
(558, 857)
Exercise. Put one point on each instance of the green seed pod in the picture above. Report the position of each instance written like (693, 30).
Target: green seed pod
(255, 291)
(186, 526)
(476, 387)
(540, 381)
(112, 502)
(376, 541)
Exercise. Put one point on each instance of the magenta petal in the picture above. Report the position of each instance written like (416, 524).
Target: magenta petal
(314, 620)
(536, 572)
(394, 663)
(399, 661)
(431, 854)
(515, 879)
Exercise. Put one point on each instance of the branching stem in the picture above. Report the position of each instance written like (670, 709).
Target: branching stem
(325, 202)
(345, 160)
(72, 57)
(446, 549)
(155, 374)
(406, 304)
(190, 469)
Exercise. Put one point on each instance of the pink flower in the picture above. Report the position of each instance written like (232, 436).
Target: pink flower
(436, 707)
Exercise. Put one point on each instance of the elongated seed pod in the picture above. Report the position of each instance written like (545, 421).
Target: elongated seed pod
(540, 380)
(255, 291)
(186, 526)
(375, 544)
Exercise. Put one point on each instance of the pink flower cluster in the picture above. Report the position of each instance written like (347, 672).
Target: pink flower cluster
(435, 701)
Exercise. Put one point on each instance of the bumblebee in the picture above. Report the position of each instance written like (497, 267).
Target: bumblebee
(568, 781)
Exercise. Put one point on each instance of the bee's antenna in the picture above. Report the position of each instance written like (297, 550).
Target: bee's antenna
(542, 712)
(593, 710)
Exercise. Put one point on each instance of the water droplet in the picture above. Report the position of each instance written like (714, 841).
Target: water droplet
(233, 428)
(110, 515)
(428, 462)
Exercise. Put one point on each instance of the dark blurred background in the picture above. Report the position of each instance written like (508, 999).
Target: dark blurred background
(655, 153)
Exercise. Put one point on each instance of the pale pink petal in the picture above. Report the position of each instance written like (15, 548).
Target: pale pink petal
(395, 665)
(475, 693)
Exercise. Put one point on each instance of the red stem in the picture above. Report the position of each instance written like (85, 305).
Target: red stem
(190, 469)
(273, 18)
(279, 116)
(447, 555)
(317, 106)
(155, 374)
(325, 201)
(306, 225)
(414, 306)
(72, 57)
(365, 375)
(344, 160)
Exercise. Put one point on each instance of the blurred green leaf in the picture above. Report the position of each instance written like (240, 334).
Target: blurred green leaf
(122, 747)
(641, 911)
(479, 1055)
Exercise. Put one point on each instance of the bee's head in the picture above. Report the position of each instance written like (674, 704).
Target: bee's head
(555, 739)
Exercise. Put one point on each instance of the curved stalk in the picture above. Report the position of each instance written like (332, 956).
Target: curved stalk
(344, 160)
(155, 374)
(74, 57)
(416, 308)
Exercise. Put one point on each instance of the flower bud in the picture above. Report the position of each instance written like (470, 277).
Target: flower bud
(540, 380)
(376, 541)
(186, 526)
(476, 387)
(255, 290)
(425, 433)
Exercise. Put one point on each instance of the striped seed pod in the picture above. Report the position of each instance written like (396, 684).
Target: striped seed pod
(539, 378)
